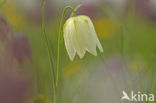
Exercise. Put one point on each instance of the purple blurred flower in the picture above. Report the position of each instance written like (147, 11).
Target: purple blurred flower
(20, 48)
(114, 63)
(89, 10)
(14, 87)
(15, 47)
(5, 29)
(143, 8)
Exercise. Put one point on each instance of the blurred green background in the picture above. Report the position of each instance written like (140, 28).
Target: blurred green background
(126, 30)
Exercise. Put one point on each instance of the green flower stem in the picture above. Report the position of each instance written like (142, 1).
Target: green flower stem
(59, 40)
(122, 41)
(122, 51)
(75, 9)
(153, 72)
(52, 71)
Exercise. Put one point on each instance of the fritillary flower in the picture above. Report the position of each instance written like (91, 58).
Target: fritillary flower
(80, 36)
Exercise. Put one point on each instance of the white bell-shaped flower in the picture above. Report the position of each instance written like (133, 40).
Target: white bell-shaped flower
(80, 36)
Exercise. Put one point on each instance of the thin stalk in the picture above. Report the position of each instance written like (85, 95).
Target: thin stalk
(52, 71)
(75, 9)
(152, 72)
(122, 50)
(122, 53)
(59, 41)
(122, 42)
(133, 8)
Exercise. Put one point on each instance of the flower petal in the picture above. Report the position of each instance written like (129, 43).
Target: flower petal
(78, 40)
(68, 32)
(94, 34)
(87, 40)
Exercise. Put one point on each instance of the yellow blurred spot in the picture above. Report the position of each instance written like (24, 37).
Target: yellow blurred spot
(137, 65)
(14, 17)
(40, 97)
(71, 69)
(105, 27)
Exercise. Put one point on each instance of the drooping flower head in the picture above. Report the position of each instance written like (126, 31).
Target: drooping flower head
(80, 36)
